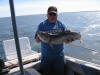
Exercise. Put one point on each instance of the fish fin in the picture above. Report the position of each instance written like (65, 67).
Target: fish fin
(81, 40)
(51, 45)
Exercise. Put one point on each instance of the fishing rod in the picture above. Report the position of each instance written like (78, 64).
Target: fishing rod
(85, 48)
(16, 36)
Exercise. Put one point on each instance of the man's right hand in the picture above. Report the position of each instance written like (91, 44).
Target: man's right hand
(37, 39)
(70, 40)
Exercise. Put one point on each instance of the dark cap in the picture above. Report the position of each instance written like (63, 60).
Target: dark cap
(52, 9)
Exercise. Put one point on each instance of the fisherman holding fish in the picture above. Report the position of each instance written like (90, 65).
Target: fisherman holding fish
(52, 58)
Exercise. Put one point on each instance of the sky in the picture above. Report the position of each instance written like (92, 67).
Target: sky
(29, 7)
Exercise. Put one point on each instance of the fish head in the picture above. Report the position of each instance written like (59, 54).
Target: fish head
(44, 36)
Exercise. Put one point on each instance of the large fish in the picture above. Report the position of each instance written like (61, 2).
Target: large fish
(58, 38)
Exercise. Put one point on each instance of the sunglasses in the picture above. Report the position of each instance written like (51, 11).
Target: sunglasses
(52, 14)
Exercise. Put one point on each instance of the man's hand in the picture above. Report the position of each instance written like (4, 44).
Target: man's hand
(37, 39)
(68, 30)
(70, 39)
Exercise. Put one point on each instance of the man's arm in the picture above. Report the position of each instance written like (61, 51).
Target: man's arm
(37, 38)
(36, 34)
(67, 30)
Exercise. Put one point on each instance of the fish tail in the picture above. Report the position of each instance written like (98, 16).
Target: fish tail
(81, 40)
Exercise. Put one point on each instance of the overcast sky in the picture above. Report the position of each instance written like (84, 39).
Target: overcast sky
(29, 7)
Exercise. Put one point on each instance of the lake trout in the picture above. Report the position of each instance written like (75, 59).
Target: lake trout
(58, 38)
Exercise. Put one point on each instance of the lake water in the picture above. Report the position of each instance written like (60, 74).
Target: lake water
(87, 23)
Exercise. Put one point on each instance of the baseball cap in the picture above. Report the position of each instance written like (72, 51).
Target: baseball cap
(52, 9)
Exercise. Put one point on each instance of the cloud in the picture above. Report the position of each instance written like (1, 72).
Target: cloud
(40, 7)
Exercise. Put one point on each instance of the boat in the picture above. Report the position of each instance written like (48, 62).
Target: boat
(28, 63)
(32, 64)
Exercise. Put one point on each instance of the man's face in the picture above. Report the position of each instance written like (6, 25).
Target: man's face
(52, 17)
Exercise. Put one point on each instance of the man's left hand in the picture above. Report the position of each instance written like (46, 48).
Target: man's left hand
(70, 39)
(68, 30)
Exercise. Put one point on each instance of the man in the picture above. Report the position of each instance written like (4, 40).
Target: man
(52, 58)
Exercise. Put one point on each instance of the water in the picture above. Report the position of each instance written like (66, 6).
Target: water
(87, 23)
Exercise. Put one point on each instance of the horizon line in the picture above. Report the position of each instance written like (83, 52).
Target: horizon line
(58, 13)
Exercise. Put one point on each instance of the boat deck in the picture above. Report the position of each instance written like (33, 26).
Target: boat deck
(29, 71)
(31, 62)
(73, 66)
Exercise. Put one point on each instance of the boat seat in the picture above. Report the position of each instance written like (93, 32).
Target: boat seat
(10, 48)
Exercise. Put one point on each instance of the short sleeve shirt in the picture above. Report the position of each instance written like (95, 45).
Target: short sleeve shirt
(46, 49)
